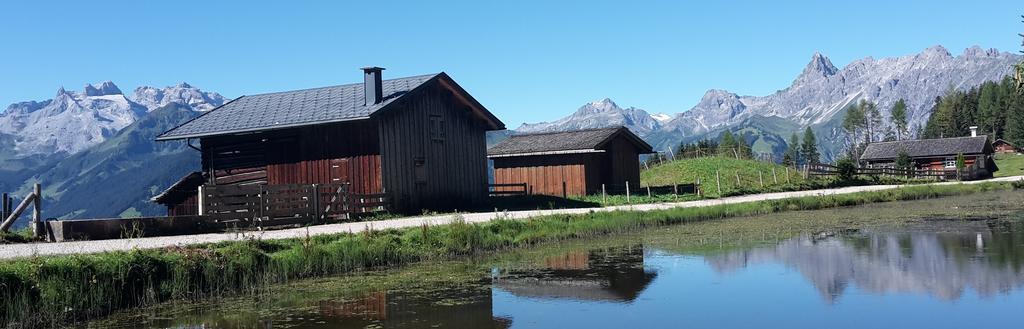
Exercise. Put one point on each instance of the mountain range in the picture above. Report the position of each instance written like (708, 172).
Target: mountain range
(816, 98)
(94, 153)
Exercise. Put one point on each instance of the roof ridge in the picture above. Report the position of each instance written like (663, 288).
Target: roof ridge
(927, 139)
(345, 85)
(568, 131)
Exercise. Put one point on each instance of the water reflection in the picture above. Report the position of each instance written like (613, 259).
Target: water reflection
(615, 274)
(900, 279)
(942, 265)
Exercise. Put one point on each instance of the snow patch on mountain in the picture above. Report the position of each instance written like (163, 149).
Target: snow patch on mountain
(182, 93)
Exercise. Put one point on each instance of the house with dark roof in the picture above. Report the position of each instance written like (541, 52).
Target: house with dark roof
(570, 163)
(934, 154)
(419, 140)
(1003, 146)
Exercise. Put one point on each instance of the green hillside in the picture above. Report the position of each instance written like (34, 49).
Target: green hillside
(1009, 165)
(688, 170)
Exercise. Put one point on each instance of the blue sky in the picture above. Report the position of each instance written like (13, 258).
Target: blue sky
(526, 61)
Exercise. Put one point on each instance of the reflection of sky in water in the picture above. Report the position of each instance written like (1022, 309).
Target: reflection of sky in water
(870, 281)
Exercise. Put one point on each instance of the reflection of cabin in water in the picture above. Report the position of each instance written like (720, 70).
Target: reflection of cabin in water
(571, 163)
(605, 275)
(419, 140)
(473, 309)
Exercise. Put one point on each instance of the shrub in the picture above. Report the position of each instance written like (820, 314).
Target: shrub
(847, 169)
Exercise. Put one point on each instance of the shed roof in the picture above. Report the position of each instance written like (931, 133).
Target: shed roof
(309, 107)
(564, 142)
(184, 186)
(1002, 141)
(928, 148)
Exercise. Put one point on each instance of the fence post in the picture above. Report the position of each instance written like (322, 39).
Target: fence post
(315, 202)
(775, 178)
(201, 201)
(604, 195)
(787, 175)
(718, 180)
(738, 179)
(675, 191)
(760, 178)
(698, 189)
(37, 216)
(627, 192)
(648, 191)
(3, 207)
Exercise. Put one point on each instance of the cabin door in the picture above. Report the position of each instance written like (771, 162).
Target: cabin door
(340, 171)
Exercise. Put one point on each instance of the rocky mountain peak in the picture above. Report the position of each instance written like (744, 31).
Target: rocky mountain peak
(936, 51)
(182, 93)
(102, 89)
(820, 66)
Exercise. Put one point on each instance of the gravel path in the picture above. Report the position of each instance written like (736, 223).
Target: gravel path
(86, 247)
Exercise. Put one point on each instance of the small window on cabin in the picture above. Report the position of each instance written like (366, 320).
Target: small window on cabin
(950, 163)
(437, 128)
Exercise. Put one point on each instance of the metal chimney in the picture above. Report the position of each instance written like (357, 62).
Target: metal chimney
(372, 86)
(974, 131)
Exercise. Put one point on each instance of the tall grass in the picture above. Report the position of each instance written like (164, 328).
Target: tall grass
(51, 290)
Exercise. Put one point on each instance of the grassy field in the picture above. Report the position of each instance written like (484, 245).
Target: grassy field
(1009, 165)
(751, 174)
(65, 288)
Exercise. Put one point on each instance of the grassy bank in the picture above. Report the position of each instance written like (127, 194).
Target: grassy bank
(1009, 164)
(48, 290)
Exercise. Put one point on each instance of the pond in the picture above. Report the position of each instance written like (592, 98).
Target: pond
(948, 263)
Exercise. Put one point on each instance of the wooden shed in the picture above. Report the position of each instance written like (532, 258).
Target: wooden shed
(1003, 146)
(181, 199)
(419, 140)
(570, 163)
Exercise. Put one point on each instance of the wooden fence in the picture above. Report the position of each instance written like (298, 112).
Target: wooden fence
(968, 173)
(287, 204)
(508, 189)
(11, 213)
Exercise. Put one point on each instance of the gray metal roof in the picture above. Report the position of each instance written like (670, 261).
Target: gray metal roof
(293, 109)
(564, 142)
(928, 148)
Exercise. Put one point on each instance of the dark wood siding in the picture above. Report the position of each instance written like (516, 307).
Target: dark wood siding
(624, 163)
(331, 153)
(188, 207)
(434, 153)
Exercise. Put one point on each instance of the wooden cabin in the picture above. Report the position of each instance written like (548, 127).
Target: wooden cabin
(934, 154)
(1002, 146)
(570, 163)
(419, 140)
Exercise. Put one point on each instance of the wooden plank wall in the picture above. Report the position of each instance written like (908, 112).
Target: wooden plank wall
(187, 207)
(545, 174)
(331, 153)
(422, 171)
